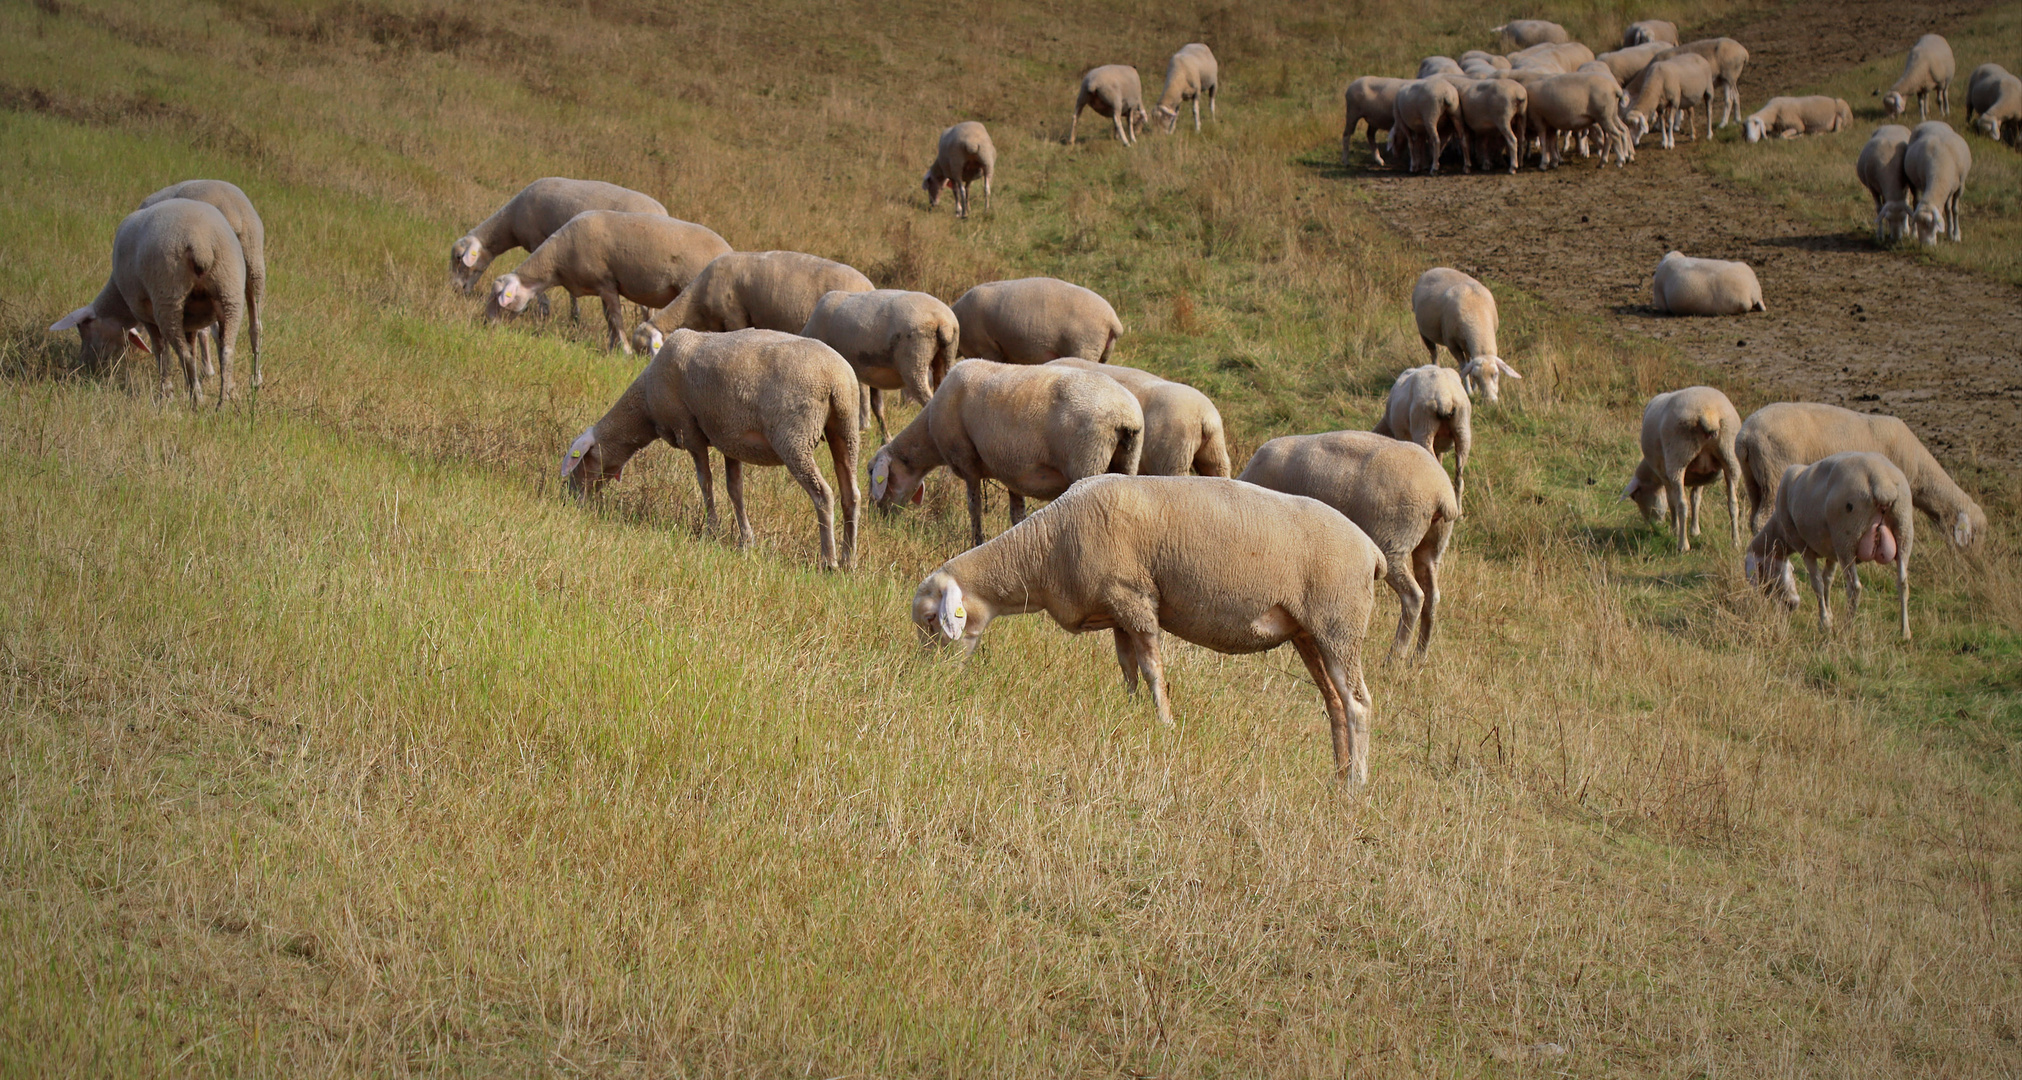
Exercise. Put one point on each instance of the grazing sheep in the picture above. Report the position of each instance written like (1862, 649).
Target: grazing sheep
(1372, 100)
(1789, 117)
(1458, 312)
(1524, 33)
(1880, 168)
(966, 153)
(1729, 60)
(1996, 96)
(1035, 430)
(1033, 320)
(1395, 492)
(1626, 64)
(252, 233)
(768, 290)
(1438, 65)
(1688, 441)
(759, 397)
(1190, 74)
(176, 269)
(1650, 32)
(1182, 427)
(1929, 67)
(1424, 107)
(613, 255)
(1574, 103)
(1112, 90)
(1847, 509)
(892, 339)
(1223, 564)
(1682, 83)
(530, 217)
(1936, 164)
(1495, 108)
(1560, 58)
(1687, 286)
(1775, 437)
(1429, 406)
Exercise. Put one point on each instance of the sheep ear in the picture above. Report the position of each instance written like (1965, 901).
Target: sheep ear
(577, 449)
(1506, 369)
(919, 494)
(881, 477)
(1630, 490)
(75, 318)
(470, 255)
(953, 617)
(134, 338)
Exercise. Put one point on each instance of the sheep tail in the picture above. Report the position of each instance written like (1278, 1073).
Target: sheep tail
(946, 352)
(1125, 457)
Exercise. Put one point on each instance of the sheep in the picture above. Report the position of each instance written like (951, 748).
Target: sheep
(613, 255)
(1687, 286)
(1524, 33)
(1112, 90)
(759, 397)
(768, 290)
(892, 339)
(1846, 509)
(1571, 103)
(1438, 65)
(1395, 492)
(252, 233)
(176, 269)
(965, 154)
(530, 217)
(1880, 168)
(1477, 64)
(1936, 164)
(1650, 32)
(1790, 117)
(1182, 428)
(1222, 564)
(1627, 63)
(1561, 58)
(1190, 74)
(1035, 430)
(1929, 67)
(1729, 59)
(1496, 108)
(1681, 83)
(1458, 312)
(1371, 99)
(1997, 97)
(1424, 106)
(1036, 319)
(1688, 441)
(1429, 406)
(1775, 437)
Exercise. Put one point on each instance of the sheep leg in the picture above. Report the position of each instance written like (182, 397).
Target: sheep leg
(810, 478)
(1126, 658)
(1509, 145)
(614, 319)
(1431, 350)
(1698, 494)
(1212, 115)
(1015, 505)
(575, 315)
(1425, 566)
(1152, 666)
(1819, 586)
(987, 175)
(1116, 122)
(1853, 589)
(700, 452)
(733, 482)
(1075, 124)
(1410, 602)
(877, 410)
(1466, 151)
(228, 332)
(1197, 114)
(1674, 489)
(1903, 588)
(256, 296)
(975, 510)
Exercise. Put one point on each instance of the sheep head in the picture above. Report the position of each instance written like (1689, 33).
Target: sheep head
(1893, 220)
(1894, 103)
(894, 480)
(101, 341)
(1752, 129)
(932, 183)
(1484, 374)
(647, 339)
(1649, 495)
(508, 293)
(1927, 223)
(466, 263)
(1169, 117)
(1767, 565)
(584, 468)
(943, 615)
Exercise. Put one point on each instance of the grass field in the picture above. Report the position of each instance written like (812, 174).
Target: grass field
(337, 741)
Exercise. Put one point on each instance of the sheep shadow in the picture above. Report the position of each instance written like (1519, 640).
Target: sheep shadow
(1834, 242)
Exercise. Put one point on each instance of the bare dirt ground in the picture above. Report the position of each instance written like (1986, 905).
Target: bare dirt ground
(1847, 324)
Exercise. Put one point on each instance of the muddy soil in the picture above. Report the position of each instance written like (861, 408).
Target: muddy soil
(1847, 323)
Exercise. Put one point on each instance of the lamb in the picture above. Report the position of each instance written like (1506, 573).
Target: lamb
(1667, 87)
(1033, 320)
(1429, 406)
(1997, 97)
(768, 290)
(1112, 90)
(1572, 103)
(1524, 33)
(1880, 168)
(1373, 100)
(1775, 437)
(1438, 65)
(613, 255)
(1182, 428)
(252, 233)
(1687, 286)
(1789, 117)
(1650, 32)
(1729, 59)
(176, 269)
(1424, 106)
(1455, 310)
(1496, 108)
(1395, 492)
(1223, 564)
(1190, 74)
(530, 217)
(892, 339)
(761, 398)
(965, 154)
(1688, 441)
(1929, 67)
(1625, 64)
(1035, 430)
(1936, 164)
(1847, 509)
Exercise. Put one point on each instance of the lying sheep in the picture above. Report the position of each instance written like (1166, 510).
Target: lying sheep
(1996, 96)
(1524, 33)
(1650, 32)
(1776, 437)
(1425, 107)
(1729, 60)
(1429, 406)
(1033, 320)
(759, 397)
(1880, 168)
(1182, 428)
(892, 339)
(252, 233)
(1929, 67)
(1220, 563)
(1679, 84)
(1371, 100)
(1936, 164)
(1845, 509)
(1189, 75)
(1112, 90)
(1687, 286)
(176, 269)
(1789, 117)
(1495, 108)
(767, 290)
(1625, 64)
(1395, 492)
(1458, 312)
(1688, 442)
(1035, 430)
(530, 217)
(613, 255)
(966, 154)
(1573, 103)
(1438, 65)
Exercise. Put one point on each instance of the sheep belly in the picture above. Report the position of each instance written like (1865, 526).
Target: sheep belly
(1244, 630)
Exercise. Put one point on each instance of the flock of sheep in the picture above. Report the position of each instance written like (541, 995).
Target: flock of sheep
(765, 355)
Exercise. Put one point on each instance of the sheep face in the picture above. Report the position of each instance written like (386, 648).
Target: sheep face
(1989, 126)
(1650, 498)
(1926, 224)
(647, 339)
(1168, 117)
(944, 616)
(1894, 103)
(932, 184)
(894, 480)
(584, 468)
(465, 263)
(1638, 124)
(1483, 375)
(1893, 220)
(1752, 130)
(101, 342)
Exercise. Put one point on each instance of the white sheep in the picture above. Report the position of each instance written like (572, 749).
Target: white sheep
(1182, 428)
(1477, 64)
(1936, 164)
(1775, 437)
(1790, 117)
(1929, 67)
(1428, 405)
(1114, 91)
(613, 255)
(1996, 96)
(966, 154)
(759, 397)
(1625, 64)
(1574, 103)
(1395, 492)
(530, 217)
(1494, 109)
(1650, 32)
(893, 340)
(1438, 65)
(1033, 320)
(1729, 59)
(1668, 87)
(1034, 429)
(1371, 100)
(1845, 509)
(1223, 564)
(1190, 75)
(1880, 168)
(1557, 58)
(1524, 33)
(1425, 108)
(1687, 286)
(1688, 442)
(252, 233)
(766, 290)
(1456, 311)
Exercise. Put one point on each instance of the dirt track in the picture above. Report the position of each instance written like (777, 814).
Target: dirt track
(1846, 324)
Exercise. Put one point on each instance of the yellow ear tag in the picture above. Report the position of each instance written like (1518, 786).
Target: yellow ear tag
(878, 474)
(575, 453)
(959, 613)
